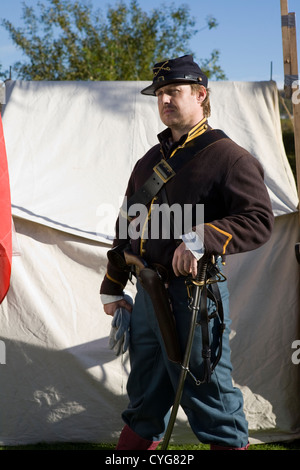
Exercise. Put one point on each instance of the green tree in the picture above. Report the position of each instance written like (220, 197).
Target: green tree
(66, 40)
(3, 74)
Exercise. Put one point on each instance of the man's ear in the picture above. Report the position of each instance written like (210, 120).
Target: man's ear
(201, 94)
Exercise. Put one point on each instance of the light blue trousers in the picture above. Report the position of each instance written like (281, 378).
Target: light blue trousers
(214, 410)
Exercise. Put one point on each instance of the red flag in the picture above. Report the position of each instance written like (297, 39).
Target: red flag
(5, 220)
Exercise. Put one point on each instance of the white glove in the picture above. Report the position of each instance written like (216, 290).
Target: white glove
(120, 329)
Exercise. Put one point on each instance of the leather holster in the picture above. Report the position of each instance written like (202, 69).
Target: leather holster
(157, 291)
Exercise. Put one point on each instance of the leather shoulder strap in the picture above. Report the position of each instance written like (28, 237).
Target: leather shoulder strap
(167, 169)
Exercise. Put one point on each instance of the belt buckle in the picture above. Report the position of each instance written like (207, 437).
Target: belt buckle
(164, 171)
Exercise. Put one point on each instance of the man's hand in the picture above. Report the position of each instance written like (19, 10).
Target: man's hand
(184, 262)
(110, 308)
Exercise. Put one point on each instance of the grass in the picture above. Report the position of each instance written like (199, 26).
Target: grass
(294, 445)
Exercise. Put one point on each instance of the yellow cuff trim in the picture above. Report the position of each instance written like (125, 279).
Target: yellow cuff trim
(228, 235)
(114, 280)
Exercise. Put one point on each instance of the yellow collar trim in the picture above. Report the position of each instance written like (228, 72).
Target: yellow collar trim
(196, 131)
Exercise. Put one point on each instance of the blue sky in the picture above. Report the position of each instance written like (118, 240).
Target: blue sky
(248, 35)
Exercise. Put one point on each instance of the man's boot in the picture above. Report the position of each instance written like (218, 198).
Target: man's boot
(129, 440)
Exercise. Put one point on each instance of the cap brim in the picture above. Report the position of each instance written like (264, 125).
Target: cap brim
(151, 89)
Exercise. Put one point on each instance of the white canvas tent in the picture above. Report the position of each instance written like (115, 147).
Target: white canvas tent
(71, 147)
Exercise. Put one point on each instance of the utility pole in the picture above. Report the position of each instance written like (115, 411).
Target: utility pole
(291, 83)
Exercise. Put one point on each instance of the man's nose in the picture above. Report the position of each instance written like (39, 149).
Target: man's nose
(166, 98)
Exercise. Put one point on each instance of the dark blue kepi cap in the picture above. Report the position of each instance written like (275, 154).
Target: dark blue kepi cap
(181, 69)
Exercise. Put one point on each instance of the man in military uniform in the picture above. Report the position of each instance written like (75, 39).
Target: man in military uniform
(229, 182)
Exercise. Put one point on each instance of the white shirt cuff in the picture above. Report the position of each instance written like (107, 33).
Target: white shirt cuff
(107, 299)
(194, 243)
